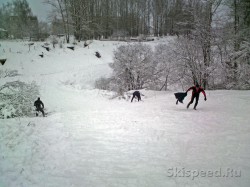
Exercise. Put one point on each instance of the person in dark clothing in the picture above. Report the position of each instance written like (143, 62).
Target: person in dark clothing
(136, 94)
(180, 96)
(196, 94)
(39, 106)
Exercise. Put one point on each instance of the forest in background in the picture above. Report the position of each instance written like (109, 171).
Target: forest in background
(212, 45)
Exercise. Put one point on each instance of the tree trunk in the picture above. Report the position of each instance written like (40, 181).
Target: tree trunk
(236, 42)
(65, 26)
(207, 45)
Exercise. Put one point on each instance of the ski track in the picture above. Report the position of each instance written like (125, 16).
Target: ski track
(91, 140)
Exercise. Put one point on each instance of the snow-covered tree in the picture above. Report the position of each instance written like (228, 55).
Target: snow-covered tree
(190, 61)
(17, 99)
(133, 66)
(8, 73)
(165, 72)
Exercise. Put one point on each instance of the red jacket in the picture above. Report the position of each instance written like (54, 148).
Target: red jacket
(197, 90)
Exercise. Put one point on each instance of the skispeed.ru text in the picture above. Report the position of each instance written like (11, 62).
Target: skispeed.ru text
(194, 173)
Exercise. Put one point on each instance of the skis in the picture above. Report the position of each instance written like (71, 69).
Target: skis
(46, 113)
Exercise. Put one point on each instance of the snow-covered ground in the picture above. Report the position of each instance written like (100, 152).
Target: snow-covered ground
(91, 140)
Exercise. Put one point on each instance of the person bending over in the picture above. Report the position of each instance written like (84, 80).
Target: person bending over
(136, 94)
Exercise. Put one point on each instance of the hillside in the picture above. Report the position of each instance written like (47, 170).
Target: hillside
(89, 139)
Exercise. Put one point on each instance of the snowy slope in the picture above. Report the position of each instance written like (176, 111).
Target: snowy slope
(91, 140)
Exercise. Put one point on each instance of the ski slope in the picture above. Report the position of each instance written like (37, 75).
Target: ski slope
(90, 140)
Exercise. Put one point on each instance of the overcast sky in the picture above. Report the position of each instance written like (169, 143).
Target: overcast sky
(38, 8)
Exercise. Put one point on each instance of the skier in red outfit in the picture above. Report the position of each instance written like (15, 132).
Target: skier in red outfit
(195, 95)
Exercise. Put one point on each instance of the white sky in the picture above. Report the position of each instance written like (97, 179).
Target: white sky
(38, 8)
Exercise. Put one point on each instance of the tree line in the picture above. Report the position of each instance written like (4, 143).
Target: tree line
(134, 17)
(120, 18)
(18, 21)
(212, 48)
(213, 35)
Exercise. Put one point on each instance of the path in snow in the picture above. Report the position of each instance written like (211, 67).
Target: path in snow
(118, 143)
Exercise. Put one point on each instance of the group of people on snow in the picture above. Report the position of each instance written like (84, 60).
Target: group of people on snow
(196, 90)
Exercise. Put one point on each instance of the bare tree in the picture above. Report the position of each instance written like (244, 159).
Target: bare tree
(61, 8)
